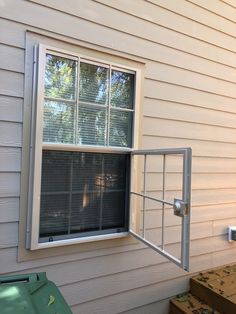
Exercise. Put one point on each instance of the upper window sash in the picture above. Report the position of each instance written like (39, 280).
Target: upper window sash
(88, 111)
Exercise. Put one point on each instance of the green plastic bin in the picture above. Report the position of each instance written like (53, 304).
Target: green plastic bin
(31, 294)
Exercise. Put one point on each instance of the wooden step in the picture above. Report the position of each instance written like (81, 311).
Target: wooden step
(189, 304)
(217, 288)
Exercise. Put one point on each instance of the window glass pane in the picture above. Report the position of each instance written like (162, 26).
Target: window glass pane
(85, 215)
(92, 125)
(93, 83)
(122, 89)
(121, 128)
(54, 215)
(60, 77)
(56, 168)
(82, 193)
(112, 216)
(58, 122)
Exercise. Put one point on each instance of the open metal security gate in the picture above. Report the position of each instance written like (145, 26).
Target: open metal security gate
(177, 206)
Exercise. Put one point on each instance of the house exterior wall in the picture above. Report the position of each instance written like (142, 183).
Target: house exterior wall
(188, 51)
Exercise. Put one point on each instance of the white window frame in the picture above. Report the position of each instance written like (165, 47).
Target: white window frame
(33, 221)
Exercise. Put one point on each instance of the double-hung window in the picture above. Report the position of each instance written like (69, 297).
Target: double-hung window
(87, 182)
(84, 134)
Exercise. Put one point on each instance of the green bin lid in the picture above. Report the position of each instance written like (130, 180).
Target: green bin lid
(31, 294)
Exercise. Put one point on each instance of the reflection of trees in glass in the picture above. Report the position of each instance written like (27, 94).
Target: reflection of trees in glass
(60, 118)
(93, 83)
(58, 122)
(60, 77)
(120, 128)
(122, 89)
(92, 126)
(93, 89)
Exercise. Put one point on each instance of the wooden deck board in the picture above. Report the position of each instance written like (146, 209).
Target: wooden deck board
(213, 291)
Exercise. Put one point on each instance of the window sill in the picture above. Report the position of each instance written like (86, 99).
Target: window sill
(66, 242)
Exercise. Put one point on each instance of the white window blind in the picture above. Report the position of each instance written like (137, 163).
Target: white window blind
(81, 193)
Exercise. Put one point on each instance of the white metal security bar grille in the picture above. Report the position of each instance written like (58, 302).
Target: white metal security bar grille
(181, 206)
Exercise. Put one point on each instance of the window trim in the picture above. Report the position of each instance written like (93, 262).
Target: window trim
(33, 221)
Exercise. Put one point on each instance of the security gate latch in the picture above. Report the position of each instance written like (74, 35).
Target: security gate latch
(180, 208)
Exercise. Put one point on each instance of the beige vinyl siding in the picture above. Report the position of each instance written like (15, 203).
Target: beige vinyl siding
(188, 48)
(9, 209)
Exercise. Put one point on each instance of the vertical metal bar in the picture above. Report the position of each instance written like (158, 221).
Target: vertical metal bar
(102, 188)
(144, 191)
(163, 204)
(108, 109)
(32, 136)
(76, 114)
(70, 195)
(186, 195)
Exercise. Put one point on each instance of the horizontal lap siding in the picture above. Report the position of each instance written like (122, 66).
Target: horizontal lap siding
(188, 48)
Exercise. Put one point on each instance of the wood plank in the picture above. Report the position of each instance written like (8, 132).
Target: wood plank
(160, 307)
(8, 234)
(220, 215)
(199, 164)
(200, 181)
(98, 267)
(13, 34)
(183, 60)
(150, 13)
(210, 245)
(95, 267)
(11, 83)
(87, 253)
(204, 246)
(12, 58)
(129, 44)
(183, 129)
(230, 3)
(10, 134)
(223, 257)
(200, 148)
(213, 212)
(9, 209)
(200, 262)
(10, 159)
(221, 226)
(127, 299)
(205, 292)
(218, 16)
(182, 112)
(11, 108)
(173, 233)
(201, 197)
(159, 16)
(119, 283)
(213, 197)
(213, 181)
(9, 184)
(170, 74)
(155, 12)
(221, 9)
(185, 95)
(188, 304)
